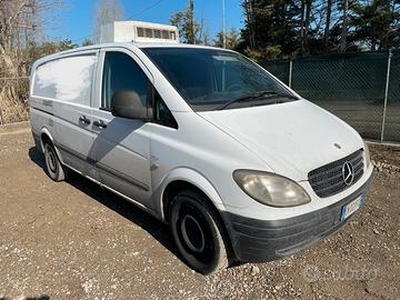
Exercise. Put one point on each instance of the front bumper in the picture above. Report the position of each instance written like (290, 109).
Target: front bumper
(259, 240)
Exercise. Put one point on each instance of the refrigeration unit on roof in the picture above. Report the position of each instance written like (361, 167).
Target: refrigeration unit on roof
(139, 32)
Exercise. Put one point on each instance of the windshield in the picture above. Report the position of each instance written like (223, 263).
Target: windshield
(210, 79)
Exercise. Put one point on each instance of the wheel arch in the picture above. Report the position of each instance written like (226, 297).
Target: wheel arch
(183, 179)
(45, 135)
(188, 179)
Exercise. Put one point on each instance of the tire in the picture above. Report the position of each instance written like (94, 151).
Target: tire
(198, 233)
(53, 167)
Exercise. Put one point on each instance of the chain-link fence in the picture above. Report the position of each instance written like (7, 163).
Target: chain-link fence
(14, 94)
(361, 88)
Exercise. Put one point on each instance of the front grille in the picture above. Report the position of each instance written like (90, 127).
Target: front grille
(328, 180)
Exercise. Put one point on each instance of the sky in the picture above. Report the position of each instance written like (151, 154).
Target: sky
(75, 20)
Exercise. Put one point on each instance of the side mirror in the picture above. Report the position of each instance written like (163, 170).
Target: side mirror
(127, 104)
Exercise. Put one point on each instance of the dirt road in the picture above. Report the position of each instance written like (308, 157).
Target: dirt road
(74, 240)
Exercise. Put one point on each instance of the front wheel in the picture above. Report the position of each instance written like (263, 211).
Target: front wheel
(198, 233)
(53, 166)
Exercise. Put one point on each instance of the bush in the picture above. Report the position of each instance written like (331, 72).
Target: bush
(14, 100)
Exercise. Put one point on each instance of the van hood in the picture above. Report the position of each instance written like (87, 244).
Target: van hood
(292, 138)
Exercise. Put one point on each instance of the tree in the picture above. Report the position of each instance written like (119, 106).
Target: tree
(268, 24)
(305, 8)
(87, 42)
(343, 40)
(189, 29)
(374, 24)
(106, 11)
(22, 23)
(232, 39)
(47, 48)
(291, 28)
(327, 24)
(248, 32)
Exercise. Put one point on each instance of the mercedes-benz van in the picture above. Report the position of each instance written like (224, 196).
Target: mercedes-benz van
(240, 166)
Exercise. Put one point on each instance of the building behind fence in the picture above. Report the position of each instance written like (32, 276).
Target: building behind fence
(361, 88)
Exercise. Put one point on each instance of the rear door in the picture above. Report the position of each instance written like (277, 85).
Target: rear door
(122, 145)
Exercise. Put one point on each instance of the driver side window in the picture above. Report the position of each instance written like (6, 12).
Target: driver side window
(121, 72)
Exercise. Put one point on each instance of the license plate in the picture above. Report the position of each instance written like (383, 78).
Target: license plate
(351, 208)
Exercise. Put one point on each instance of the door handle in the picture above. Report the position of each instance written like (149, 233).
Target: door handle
(100, 124)
(84, 120)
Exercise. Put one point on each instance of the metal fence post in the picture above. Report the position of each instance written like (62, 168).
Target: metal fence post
(385, 100)
(290, 72)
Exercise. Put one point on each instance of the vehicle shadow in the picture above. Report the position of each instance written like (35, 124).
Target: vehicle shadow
(118, 204)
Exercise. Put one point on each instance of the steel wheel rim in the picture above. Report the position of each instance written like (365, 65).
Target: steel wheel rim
(51, 159)
(192, 234)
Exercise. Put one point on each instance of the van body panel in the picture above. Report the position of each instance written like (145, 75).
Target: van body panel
(41, 123)
(122, 155)
(194, 178)
(65, 85)
(285, 135)
(74, 138)
(197, 146)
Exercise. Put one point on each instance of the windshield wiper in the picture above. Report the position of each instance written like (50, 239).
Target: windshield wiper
(256, 96)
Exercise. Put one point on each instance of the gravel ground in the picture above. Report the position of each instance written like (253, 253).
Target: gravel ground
(74, 240)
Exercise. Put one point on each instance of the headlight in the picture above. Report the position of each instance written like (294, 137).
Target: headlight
(367, 155)
(270, 189)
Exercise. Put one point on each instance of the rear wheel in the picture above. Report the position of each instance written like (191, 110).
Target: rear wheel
(53, 167)
(198, 233)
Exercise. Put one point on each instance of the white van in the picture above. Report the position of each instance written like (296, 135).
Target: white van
(240, 166)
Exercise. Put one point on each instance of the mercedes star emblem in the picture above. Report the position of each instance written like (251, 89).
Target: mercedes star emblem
(348, 173)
